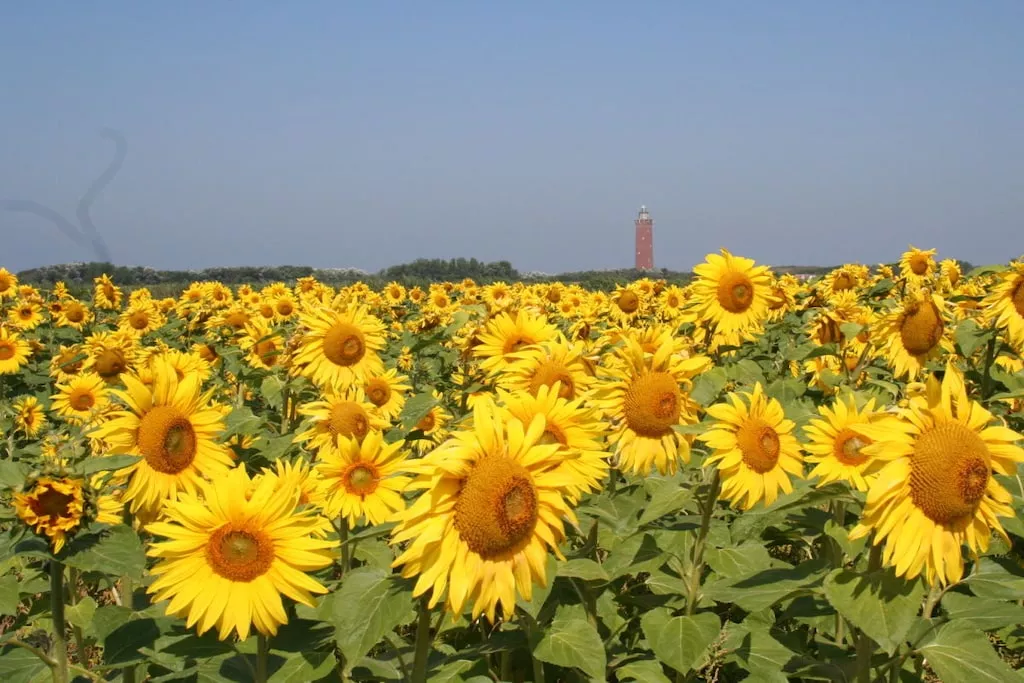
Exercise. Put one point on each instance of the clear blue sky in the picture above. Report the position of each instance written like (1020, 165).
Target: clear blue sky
(364, 134)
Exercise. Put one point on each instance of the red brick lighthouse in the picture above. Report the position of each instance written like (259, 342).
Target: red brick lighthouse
(644, 240)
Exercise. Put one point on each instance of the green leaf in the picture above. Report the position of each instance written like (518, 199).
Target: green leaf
(638, 553)
(81, 613)
(642, 671)
(18, 665)
(760, 590)
(117, 553)
(241, 421)
(983, 614)
(271, 388)
(680, 642)
(881, 604)
(368, 604)
(757, 652)
(958, 652)
(13, 474)
(277, 447)
(301, 667)
(588, 570)
(851, 330)
(708, 385)
(746, 558)
(668, 497)
(969, 337)
(573, 642)
(10, 594)
(996, 578)
(416, 408)
(106, 463)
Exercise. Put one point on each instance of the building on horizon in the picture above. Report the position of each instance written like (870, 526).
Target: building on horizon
(644, 240)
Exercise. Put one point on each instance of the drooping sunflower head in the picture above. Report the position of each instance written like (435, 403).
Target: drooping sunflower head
(106, 294)
(914, 333)
(52, 507)
(29, 416)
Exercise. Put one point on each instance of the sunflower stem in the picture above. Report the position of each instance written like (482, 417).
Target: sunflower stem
(60, 645)
(127, 598)
(864, 644)
(73, 599)
(986, 377)
(934, 595)
(423, 643)
(697, 570)
(262, 657)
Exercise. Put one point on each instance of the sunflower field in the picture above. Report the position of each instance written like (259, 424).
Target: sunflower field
(750, 477)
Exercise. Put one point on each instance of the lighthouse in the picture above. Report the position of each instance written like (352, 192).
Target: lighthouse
(644, 240)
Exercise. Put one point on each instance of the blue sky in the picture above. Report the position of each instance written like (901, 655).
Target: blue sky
(362, 134)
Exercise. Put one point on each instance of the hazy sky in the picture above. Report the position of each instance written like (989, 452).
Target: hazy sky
(364, 134)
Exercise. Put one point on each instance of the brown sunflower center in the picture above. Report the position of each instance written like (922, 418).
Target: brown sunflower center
(497, 507)
(919, 264)
(549, 372)
(237, 319)
(110, 363)
(348, 419)
(167, 439)
(921, 328)
(842, 282)
(82, 399)
(427, 422)
(759, 444)
(267, 311)
(652, 404)
(828, 331)
(74, 312)
(285, 308)
(139, 320)
(26, 313)
(109, 291)
(848, 445)
(6, 350)
(267, 352)
(949, 472)
(68, 361)
(378, 391)
(735, 292)
(344, 344)
(628, 302)
(239, 554)
(1018, 297)
(51, 503)
(361, 479)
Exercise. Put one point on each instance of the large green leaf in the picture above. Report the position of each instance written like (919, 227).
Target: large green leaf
(642, 671)
(996, 578)
(117, 553)
(746, 558)
(368, 604)
(18, 665)
(760, 590)
(754, 649)
(958, 652)
(582, 568)
(572, 642)
(680, 642)
(302, 667)
(10, 594)
(416, 408)
(667, 497)
(12, 474)
(106, 463)
(881, 604)
(983, 614)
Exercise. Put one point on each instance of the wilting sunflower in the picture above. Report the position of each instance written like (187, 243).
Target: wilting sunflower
(505, 335)
(914, 333)
(543, 365)
(492, 509)
(917, 266)
(110, 354)
(387, 392)
(754, 448)
(836, 450)
(14, 352)
(732, 294)
(52, 508)
(340, 415)
(937, 491)
(106, 294)
(80, 399)
(232, 553)
(645, 396)
(174, 427)
(340, 348)
(29, 416)
(363, 480)
(573, 427)
(26, 316)
(1004, 306)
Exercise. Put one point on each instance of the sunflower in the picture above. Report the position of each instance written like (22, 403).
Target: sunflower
(754, 448)
(26, 316)
(174, 427)
(914, 333)
(106, 294)
(298, 474)
(504, 335)
(53, 507)
(387, 392)
(626, 304)
(230, 555)
(8, 284)
(81, 398)
(836, 450)
(74, 314)
(29, 416)
(110, 354)
(645, 396)
(363, 480)
(14, 352)
(555, 360)
(340, 347)
(732, 294)
(845, 278)
(492, 509)
(67, 363)
(340, 415)
(433, 427)
(576, 429)
(917, 266)
(1004, 306)
(141, 318)
(937, 491)
(264, 348)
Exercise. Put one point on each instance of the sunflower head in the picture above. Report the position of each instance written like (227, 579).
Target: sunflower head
(52, 507)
